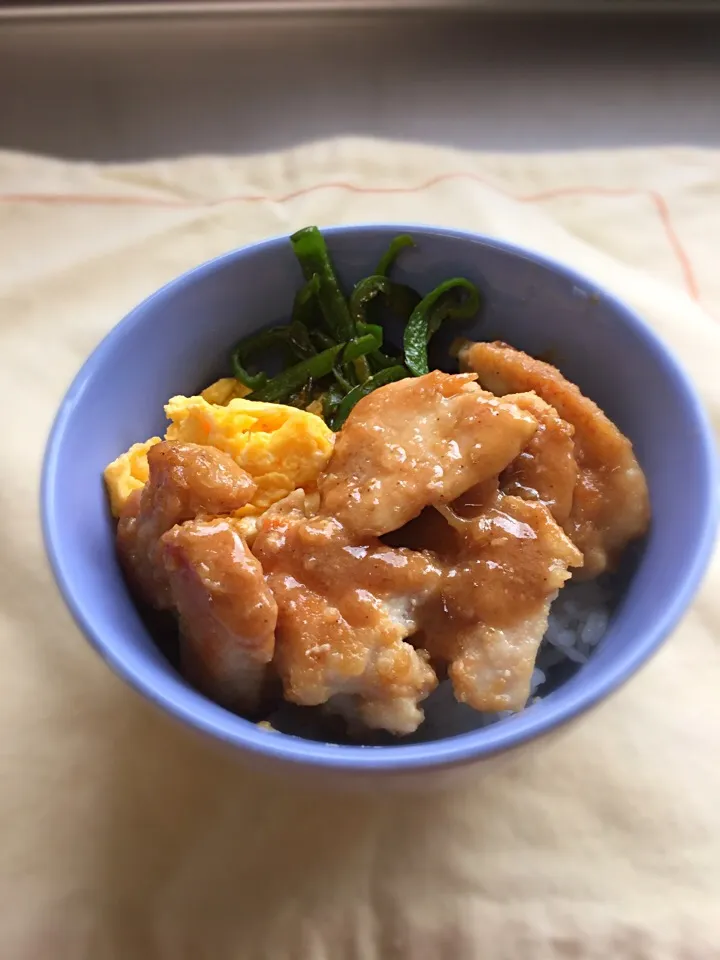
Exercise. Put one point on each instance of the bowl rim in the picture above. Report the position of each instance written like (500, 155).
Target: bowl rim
(464, 748)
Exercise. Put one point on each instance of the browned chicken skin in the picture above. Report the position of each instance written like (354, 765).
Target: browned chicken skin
(344, 610)
(227, 611)
(414, 443)
(610, 505)
(185, 480)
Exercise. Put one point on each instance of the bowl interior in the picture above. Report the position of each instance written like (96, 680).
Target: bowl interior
(178, 341)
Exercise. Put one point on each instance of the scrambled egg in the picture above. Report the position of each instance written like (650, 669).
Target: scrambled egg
(225, 390)
(282, 448)
(129, 472)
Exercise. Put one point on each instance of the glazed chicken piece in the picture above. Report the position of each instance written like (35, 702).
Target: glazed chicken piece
(546, 470)
(610, 502)
(344, 610)
(415, 443)
(505, 569)
(227, 611)
(185, 480)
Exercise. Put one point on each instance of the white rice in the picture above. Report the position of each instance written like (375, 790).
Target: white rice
(578, 620)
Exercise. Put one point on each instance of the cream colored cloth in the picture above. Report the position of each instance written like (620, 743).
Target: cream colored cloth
(126, 836)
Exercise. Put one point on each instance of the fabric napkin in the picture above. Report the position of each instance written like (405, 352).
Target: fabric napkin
(124, 835)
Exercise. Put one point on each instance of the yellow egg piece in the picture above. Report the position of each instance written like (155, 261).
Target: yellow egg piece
(225, 390)
(127, 473)
(282, 448)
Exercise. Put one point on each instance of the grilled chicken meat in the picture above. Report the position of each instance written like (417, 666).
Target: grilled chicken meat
(415, 443)
(185, 480)
(546, 470)
(503, 568)
(610, 504)
(345, 608)
(227, 611)
(485, 502)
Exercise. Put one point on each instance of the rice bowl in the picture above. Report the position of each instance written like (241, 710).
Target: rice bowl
(530, 302)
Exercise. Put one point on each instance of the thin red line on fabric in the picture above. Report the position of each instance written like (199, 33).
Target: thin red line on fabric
(656, 198)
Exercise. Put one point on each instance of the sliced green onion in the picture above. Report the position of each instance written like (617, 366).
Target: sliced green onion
(455, 299)
(254, 344)
(288, 382)
(400, 299)
(331, 400)
(361, 346)
(322, 339)
(341, 380)
(299, 342)
(312, 253)
(391, 254)
(305, 305)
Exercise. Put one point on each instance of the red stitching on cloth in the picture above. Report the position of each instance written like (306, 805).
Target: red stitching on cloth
(656, 198)
(661, 208)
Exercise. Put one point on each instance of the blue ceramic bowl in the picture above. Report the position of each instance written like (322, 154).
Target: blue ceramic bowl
(178, 340)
